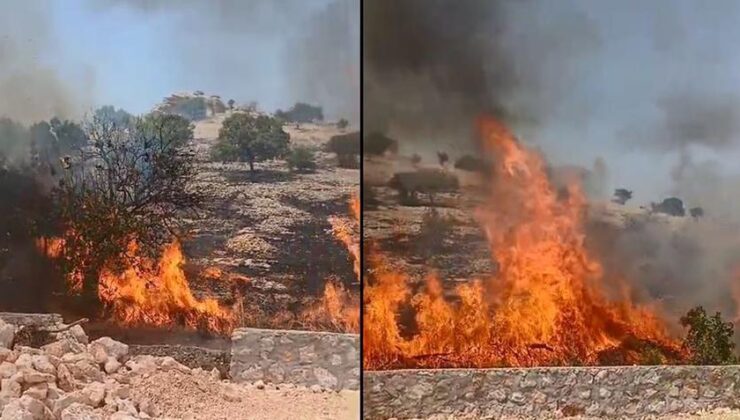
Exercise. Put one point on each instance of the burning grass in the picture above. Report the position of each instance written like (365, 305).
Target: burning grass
(549, 303)
(140, 290)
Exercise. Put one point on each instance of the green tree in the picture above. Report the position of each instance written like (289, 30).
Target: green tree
(709, 339)
(301, 113)
(347, 148)
(302, 159)
(246, 138)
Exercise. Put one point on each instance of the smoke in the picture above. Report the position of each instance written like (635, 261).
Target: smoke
(431, 67)
(30, 87)
(228, 45)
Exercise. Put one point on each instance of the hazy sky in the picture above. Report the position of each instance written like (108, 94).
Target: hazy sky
(132, 53)
(652, 87)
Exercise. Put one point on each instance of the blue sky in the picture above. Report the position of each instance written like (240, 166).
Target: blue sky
(132, 58)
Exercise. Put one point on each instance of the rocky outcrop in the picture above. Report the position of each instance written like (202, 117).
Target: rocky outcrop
(328, 360)
(610, 392)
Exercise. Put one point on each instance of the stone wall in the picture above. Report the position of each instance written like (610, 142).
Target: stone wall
(307, 358)
(629, 391)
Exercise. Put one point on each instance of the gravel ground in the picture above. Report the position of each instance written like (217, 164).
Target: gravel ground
(195, 397)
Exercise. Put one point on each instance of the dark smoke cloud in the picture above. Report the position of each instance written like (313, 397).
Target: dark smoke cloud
(320, 45)
(431, 67)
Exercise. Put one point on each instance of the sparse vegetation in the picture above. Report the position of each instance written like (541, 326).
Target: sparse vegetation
(709, 339)
(423, 181)
(378, 144)
(342, 124)
(302, 159)
(443, 158)
(672, 206)
(301, 113)
(622, 196)
(131, 183)
(696, 212)
(246, 138)
(471, 164)
(347, 149)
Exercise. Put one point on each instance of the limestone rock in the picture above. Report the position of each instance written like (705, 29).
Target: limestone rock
(105, 347)
(7, 334)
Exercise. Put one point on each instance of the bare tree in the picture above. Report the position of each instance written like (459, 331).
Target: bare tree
(132, 182)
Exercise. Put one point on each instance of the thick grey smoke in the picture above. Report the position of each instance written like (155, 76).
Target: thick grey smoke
(318, 43)
(30, 88)
(431, 67)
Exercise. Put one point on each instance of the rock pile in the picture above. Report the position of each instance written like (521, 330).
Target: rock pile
(72, 378)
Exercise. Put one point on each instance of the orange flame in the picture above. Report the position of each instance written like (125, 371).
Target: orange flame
(149, 292)
(338, 307)
(546, 305)
(157, 293)
(347, 232)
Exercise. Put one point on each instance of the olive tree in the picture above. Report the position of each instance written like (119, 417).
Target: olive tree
(248, 138)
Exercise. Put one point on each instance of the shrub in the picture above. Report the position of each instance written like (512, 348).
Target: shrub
(376, 143)
(423, 181)
(130, 183)
(709, 339)
(302, 159)
(342, 124)
(246, 138)
(621, 196)
(672, 206)
(347, 149)
(471, 164)
(301, 113)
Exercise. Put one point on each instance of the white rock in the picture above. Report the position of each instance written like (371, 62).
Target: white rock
(4, 353)
(259, 384)
(65, 380)
(77, 411)
(169, 363)
(24, 361)
(94, 393)
(111, 366)
(10, 387)
(7, 370)
(108, 347)
(42, 364)
(7, 334)
(120, 415)
(79, 334)
(31, 376)
(66, 400)
(14, 410)
(230, 392)
(34, 406)
(147, 407)
(316, 388)
(38, 391)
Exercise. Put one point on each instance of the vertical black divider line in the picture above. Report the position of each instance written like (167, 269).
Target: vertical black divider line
(362, 213)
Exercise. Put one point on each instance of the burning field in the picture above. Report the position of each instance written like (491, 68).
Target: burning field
(548, 302)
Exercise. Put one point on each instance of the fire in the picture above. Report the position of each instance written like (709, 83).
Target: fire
(547, 304)
(157, 293)
(149, 292)
(339, 308)
(346, 231)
